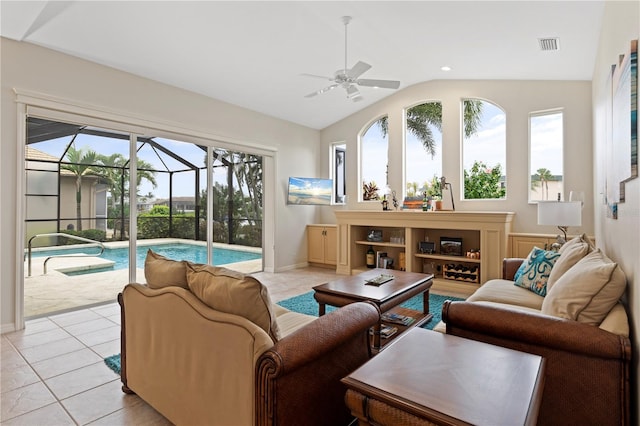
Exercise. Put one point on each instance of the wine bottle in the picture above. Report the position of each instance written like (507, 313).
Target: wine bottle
(371, 258)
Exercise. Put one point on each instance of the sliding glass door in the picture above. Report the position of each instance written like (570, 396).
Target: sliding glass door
(80, 203)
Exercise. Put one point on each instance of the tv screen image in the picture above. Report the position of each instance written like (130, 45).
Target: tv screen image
(313, 191)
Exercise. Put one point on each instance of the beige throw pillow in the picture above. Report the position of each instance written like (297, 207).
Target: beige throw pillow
(586, 292)
(234, 293)
(570, 253)
(160, 271)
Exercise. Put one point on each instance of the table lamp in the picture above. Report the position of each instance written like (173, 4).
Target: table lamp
(560, 214)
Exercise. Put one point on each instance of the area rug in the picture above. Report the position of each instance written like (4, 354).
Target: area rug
(113, 362)
(306, 304)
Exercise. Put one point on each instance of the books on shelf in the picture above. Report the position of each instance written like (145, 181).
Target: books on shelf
(386, 331)
(397, 318)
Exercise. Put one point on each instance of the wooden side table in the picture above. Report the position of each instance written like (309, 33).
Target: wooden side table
(426, 378)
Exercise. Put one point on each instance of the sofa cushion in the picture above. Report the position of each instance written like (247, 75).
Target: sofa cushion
(160, 271)
(503, 291)
(570, 253)
(588, 291)
(534, 271)
(235, 293)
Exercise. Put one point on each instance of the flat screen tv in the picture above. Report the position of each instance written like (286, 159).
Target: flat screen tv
(310, 191)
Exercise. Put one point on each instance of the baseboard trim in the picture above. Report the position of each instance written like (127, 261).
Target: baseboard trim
(7, 328)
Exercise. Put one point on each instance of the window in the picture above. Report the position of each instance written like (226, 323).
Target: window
(423, 148)
(545, 156)
(338, 172)
(374, 146)
(484, 150)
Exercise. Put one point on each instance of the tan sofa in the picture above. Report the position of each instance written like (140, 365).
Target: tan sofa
(198, 365)
(587, 359)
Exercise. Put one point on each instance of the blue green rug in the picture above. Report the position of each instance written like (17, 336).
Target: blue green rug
(113, 362)
(306, 304)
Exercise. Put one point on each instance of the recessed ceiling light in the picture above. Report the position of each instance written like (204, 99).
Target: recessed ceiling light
(445, 68)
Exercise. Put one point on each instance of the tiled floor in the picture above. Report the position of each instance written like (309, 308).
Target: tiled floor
(52, 372)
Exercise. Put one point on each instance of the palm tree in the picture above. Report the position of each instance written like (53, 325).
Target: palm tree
(81, 163)
(116, 173)
(542, 176)
(421, 117)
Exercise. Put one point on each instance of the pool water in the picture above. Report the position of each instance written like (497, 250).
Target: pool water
(176, 251)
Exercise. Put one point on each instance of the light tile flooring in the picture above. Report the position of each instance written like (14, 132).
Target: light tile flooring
(52, 372)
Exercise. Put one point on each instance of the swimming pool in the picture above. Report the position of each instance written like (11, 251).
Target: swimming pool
(176, 251)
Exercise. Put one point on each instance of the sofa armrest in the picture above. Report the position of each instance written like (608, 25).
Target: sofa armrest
(298, 379)
(510, 266)
(587, 369)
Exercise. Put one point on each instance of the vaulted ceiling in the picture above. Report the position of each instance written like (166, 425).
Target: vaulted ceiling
(252, 54)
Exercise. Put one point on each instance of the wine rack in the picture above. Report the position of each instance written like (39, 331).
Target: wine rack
(461, 272)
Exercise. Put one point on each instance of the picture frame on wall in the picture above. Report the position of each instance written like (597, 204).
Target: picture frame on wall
(621, 163)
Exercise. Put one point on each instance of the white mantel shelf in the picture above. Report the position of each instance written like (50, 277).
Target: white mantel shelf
(488, 231)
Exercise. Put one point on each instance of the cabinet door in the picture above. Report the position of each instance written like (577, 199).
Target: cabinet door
(315, 244)
(331, 246)
(521, 246)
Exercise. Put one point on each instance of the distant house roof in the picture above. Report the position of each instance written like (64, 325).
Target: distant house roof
(176, 199)
(37, 155)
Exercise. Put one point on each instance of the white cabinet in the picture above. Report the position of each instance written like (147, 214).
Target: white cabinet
(520, 244)
(322, 244)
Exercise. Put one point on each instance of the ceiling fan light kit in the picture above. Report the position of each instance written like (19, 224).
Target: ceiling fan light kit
(348, 78)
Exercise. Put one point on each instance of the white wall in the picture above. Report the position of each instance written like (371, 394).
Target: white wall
(31, 68)
(518, 99)
(620, 239)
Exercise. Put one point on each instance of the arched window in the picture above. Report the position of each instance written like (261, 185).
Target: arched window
(484, 157)
(374, 147)
(423, 148)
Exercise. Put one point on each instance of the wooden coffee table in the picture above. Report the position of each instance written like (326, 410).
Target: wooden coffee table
(427, 378)
(387, 296)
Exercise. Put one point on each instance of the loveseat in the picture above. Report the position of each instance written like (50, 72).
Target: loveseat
(205, 346)
(579, 326)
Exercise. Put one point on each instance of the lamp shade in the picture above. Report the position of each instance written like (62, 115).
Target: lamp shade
(560, 213)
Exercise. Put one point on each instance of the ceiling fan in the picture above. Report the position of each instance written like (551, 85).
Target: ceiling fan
(348, 78)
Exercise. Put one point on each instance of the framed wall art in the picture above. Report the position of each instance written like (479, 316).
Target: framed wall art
(313, 191)
(622, 137)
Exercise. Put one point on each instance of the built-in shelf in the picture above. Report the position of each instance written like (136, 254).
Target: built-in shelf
(379, 244)
(487, 232)
(460, 259)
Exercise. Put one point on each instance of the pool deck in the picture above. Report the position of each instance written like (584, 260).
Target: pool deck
(58, 292)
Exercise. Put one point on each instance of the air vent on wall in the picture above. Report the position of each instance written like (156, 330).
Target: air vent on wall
(549, 44)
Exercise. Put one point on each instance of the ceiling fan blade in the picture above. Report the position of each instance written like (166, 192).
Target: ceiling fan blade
(353, 93)
(384, 84)
(321, 91)
(358, 69)
(317, 76)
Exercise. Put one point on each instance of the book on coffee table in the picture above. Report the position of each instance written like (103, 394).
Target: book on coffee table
(397, 318)
(386, 331)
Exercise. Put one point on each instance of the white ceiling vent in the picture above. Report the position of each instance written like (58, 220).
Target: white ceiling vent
(549, 44)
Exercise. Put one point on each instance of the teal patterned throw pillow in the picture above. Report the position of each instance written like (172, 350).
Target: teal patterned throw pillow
(534, 271)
